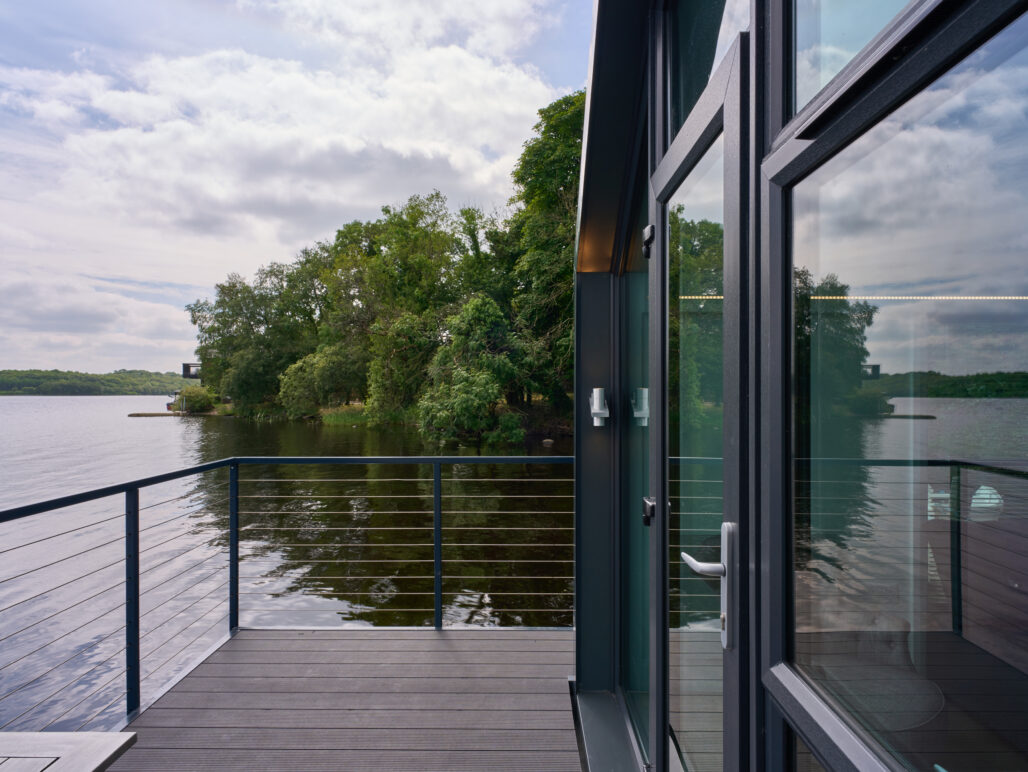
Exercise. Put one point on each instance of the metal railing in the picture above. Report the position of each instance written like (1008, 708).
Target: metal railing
(213, 539)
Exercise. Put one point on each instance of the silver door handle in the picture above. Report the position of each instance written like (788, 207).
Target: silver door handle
(703, 569)
(724, 571)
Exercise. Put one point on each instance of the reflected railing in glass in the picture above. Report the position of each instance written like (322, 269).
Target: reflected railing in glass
(910, 605)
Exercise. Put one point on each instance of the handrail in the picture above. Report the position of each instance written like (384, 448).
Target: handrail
(131, 489)
(112, 490)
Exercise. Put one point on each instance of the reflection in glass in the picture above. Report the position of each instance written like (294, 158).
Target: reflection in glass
(829, 33)
(696, 292)
(804, 760)
(910, 366)
(700, 36)
(634, 427)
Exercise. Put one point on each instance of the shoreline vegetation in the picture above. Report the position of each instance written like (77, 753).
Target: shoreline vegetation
(61, 383)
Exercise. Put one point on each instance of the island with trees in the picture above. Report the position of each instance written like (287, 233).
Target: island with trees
(460, 322)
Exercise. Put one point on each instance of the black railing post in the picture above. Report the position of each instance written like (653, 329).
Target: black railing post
(955, 561)
(132, 663)
(437, 541)
(233, 548)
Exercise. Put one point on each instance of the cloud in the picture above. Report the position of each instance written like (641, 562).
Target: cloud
(369, 30)
(87, 324)
(206, 142)
(195, 159)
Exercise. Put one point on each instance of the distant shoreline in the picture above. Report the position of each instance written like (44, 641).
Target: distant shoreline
(67, 383)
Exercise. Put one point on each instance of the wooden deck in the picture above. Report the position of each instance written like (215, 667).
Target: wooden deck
(368, 699)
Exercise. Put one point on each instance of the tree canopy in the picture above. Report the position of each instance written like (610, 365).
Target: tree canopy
(460, 321)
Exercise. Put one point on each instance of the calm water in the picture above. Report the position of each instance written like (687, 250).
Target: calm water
(320, 545)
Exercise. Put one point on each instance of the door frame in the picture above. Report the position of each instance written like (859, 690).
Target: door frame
(908, 54)
(722, 108)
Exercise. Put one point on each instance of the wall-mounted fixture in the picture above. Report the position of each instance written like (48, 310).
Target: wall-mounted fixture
(641, 406)
(598, 407)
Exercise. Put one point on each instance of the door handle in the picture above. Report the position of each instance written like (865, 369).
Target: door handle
(724, 571)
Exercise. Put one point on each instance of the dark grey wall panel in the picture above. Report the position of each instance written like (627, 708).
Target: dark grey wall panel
(594, 510)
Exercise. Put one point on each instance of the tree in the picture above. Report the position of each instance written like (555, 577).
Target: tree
(546, 186)
(470, 374)
(695, 257)
(400, 352)
(828, 344)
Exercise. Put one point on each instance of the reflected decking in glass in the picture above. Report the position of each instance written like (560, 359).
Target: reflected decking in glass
(910, 360)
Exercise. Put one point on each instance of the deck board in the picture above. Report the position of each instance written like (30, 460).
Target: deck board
(368, 699)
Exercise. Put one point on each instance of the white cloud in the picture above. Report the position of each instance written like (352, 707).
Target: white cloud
(86, 324)
(191, 166)
(371, 29)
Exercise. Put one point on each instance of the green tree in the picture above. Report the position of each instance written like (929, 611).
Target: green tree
(194, 399)
(401, 350)
(546, 187)
(470, 375)
(827, 322)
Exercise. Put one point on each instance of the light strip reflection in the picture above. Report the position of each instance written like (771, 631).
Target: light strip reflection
(919, 297)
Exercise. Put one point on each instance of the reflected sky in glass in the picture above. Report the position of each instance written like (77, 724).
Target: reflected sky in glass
(924, 218)
(829, 33)
(701, 34)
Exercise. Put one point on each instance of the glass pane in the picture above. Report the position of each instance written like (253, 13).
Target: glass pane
(910, 414)
(804, 760)
(700, 36)
(635, 549)
(828, 34)
(696, 291)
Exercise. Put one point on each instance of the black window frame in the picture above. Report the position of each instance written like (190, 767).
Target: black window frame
(923, 42)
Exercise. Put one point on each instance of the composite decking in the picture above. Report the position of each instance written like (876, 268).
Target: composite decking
(368, 699)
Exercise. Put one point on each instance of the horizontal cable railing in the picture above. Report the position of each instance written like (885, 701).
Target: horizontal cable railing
(108, 596)
(927, 518)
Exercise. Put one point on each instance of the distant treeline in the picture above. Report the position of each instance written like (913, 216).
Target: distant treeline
(933, 384)
(65, 383)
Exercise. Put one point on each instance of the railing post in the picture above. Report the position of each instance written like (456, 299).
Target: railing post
(132, 663)
(233, 548)
(955, 561)
(437, 541)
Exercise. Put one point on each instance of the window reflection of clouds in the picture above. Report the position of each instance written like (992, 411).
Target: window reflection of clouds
(829, 33)
(700, 36)
(932, 202)
(703, 188)
(736, 19)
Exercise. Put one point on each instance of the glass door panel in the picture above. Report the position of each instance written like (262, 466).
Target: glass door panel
(910, 407)
(696, 457)
(632, 416)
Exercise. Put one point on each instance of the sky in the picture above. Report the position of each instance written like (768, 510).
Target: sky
(147, 150)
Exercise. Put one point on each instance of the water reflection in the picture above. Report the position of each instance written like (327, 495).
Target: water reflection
(353, 544)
